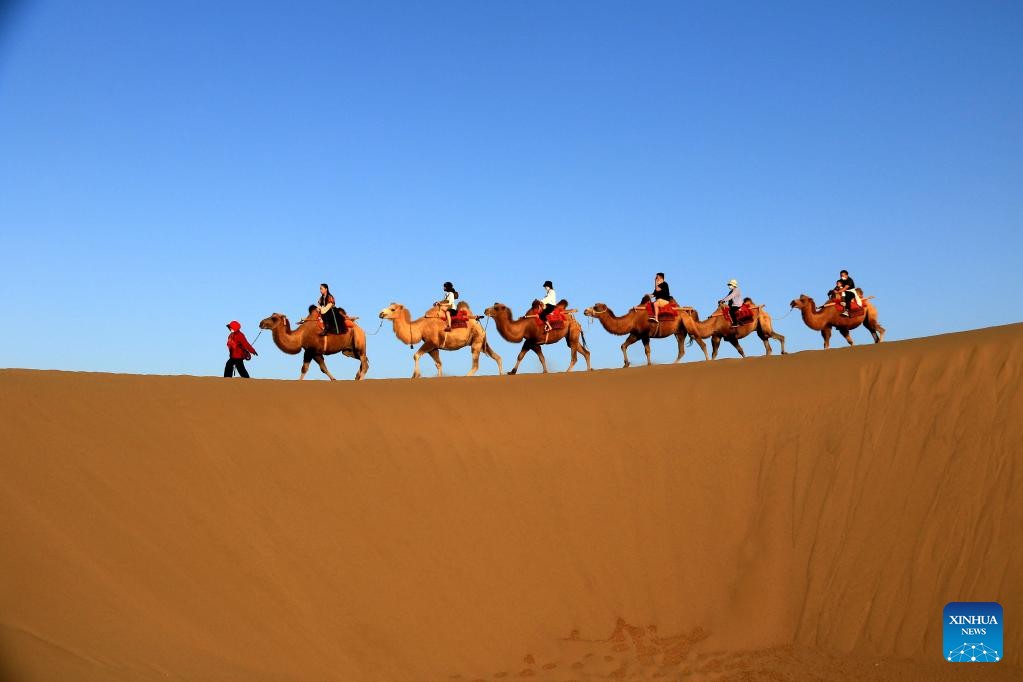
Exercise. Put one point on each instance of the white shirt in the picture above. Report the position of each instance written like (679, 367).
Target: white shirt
(449, 298)
(550, 299)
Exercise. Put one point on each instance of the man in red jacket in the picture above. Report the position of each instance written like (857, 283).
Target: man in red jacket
(240, 350)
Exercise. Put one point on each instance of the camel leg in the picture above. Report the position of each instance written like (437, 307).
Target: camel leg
(766, 336)
(681, 338)
(625, 347)
(435, 354)
(876, 330)
(476, 348)
(526, 347)
(703, 345)
(846, 335)
(577, 347)
(323, 366)
(543, 360)
(715, 344)
(826, 334)
(646, 350)
(781, 340)
(307, 358)
(415, 361)
(497, 358)
(363, 366)
(735, 342)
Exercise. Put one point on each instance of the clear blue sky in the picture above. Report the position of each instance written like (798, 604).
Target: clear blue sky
(168, 166)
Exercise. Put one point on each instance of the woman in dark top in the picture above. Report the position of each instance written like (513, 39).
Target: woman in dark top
(333, 318)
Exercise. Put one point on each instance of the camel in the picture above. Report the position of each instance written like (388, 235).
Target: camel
(306, 339)
(533, 336)
(719, 326)
(829, 316)
(637, 325)
(430, 330)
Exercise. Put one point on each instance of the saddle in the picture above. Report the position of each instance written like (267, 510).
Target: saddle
(460, 319)
(855, 309)
(668, 312)
(344, 323)
(555, 318)
(744, 314)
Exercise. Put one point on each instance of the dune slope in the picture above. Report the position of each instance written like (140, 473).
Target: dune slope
(808, 515)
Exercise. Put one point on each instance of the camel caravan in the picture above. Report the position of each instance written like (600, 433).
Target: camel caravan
(450, 325)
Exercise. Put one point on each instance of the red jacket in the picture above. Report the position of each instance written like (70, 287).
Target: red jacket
(239, 346)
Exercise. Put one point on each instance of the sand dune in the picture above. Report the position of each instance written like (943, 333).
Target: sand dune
(771, 518)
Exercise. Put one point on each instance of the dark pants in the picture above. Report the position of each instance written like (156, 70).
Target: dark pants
(547, 310)
(849, 298)
(235, 364)
(733, 311)
(333, 322)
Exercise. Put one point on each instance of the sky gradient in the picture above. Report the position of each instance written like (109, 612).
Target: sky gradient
(167, 167)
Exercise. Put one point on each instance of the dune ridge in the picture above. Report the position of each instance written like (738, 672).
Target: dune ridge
(794, 515)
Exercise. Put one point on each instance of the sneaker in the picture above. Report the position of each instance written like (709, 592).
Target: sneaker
(845, 313)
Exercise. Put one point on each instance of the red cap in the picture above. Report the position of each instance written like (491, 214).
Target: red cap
(234, 326)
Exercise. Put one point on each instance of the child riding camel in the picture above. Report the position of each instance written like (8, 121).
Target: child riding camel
(549, 302)
(447, 304)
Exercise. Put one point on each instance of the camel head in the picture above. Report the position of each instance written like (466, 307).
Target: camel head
(391, 312)
(597, 309)
(496, 310)
(274, 321)
(801, 302)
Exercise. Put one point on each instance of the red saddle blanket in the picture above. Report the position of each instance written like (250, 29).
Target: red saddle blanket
(460, 319)
(855, 309)
(668, 312)
(555, 318)
(744, 314)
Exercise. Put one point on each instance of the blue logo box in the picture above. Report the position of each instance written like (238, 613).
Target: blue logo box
(973, 632)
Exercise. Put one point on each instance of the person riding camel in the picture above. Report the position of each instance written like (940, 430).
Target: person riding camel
(448, 303)
(661, 295)
(549, 303)
(239, 350)
(846, 288)
(333, 317)
(733, 300)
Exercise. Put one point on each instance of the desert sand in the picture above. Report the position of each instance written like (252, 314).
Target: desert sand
(789, 517)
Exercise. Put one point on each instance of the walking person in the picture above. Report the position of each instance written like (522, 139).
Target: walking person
(239, 350)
